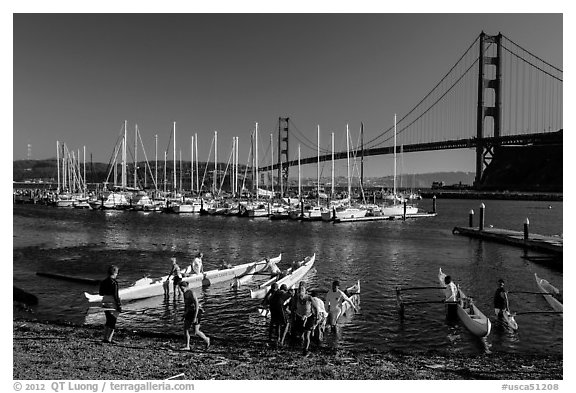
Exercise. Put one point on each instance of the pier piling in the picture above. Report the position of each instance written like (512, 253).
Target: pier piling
(481, 223)
(434, 204)
(471, 218)
(526, 232)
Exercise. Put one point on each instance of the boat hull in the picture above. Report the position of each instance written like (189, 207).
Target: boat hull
(546, 288)
(290, 280)
(468, 314)
(150, 288)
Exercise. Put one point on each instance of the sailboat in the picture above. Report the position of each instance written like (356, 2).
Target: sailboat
(349, 211)
(397, 209)
(314, 212)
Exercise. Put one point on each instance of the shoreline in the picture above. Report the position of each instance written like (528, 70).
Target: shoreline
(51, 350)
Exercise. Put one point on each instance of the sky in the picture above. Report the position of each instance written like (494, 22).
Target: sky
(78, 77)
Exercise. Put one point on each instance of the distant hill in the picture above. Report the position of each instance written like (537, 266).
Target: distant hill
(46, 171)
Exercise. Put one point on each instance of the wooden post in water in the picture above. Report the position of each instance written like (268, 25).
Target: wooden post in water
(471, 218)
(434, 204)
(526, 232)
(481, 223)
(404, 212)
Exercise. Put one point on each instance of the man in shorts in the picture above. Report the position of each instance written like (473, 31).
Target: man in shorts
(305, 315)
(192, 316)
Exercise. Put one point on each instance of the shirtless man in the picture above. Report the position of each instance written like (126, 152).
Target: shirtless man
(305, 315)
(333, 303)
(177, 273)
(192, 316)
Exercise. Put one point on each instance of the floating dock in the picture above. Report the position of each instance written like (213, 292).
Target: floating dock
(553, 244)
(385, 218)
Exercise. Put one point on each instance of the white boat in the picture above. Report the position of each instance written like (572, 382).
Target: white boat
(64, 200)
(313, 213)
(147, 287)
(290, 280)
(470, 316)
(550, 292)
(344, 212)
(141, 201)
(115, 200)
(397, 210)
(257, 210)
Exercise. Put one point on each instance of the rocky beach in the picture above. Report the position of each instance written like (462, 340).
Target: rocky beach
(48, 350)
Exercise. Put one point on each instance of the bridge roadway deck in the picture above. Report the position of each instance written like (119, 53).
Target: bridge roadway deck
(552, 244)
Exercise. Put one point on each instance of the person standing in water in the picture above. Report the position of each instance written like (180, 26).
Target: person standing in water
(192, 316)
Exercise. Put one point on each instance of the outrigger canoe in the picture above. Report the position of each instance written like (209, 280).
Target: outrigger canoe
(470, 316)
(290, 280)
(549, 292)
(509, 320)
(147, 287)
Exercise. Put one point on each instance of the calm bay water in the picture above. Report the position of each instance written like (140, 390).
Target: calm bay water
(382, 255)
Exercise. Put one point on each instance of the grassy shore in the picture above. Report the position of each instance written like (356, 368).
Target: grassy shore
(60, 351)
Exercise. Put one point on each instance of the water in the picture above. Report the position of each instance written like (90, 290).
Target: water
(382, 255)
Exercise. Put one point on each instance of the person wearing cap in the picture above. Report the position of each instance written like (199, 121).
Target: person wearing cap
(177, 273)
(192, 316)
(333, 303)
(500, 299)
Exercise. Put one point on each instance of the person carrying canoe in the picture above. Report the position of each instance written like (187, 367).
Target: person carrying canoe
(177, 273)
(334, 300)
(321, 317)
(272, 268)
(110, 300)
(305, 315)
(278, 317)
(192, 316)
(500, 299)
(197, 263)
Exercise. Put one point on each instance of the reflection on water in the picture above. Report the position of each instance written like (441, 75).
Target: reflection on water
(382, 255)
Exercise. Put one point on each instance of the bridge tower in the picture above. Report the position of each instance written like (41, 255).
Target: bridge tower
(489, 77)
(283, 157)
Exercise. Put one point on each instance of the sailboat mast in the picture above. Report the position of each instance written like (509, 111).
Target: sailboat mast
(180, 151)
(362, 156)
(174, 160)
(236, 176)
(156, 161)
(85, 184)
(256, 157)
(318, 166)
(135, 153)
(124, 180)
(394, 195)
(192, 165)
(58, 165)
(197, 172)
(332, 191)
(272, 162)
(348, 164)
(165, 159)
(215, 161)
